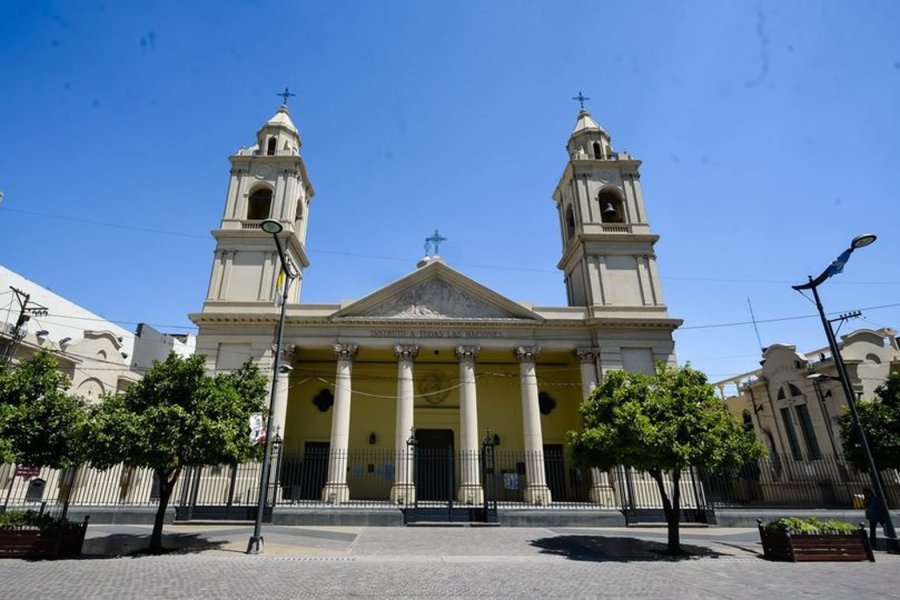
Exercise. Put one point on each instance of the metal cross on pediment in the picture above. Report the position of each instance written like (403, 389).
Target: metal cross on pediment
(285, 95)
(581, 98)
(434, 241)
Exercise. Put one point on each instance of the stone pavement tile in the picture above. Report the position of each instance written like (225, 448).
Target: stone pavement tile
(448, 541)
(511, 575)
(626, 541)
(227, 539)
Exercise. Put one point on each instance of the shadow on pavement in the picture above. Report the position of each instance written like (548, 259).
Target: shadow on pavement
(136, 546)
(607, 548)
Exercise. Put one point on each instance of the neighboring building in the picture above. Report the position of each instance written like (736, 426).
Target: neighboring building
(94, 353)
(436, 353)
(795, 412)
(97, 355)
(796, 415)
(152, 345)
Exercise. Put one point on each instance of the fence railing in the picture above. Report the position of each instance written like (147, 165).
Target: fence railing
(776, 482)
(298, 479)
(372, 476)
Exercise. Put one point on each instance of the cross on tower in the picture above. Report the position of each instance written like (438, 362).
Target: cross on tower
(435, 241)
(285, 95)
(581, 98)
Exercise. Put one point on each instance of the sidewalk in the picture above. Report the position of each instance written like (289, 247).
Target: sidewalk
(608, 543)
(465, 562)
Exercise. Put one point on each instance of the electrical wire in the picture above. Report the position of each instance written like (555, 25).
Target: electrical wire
(399, 259)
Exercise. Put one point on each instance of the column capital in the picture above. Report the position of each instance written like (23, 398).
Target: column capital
(406, 352)
(587, 355)
(527, 353)
(345, 351)
(467, 352)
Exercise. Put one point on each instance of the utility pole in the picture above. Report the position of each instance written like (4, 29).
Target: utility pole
(27, 309)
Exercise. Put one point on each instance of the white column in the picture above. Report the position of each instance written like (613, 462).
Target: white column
(404, 489)
(601, 491)
(536, 490)
(470, 490)
(336, 490)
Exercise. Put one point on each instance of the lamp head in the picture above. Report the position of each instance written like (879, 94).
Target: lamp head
(271, 226)
(861, 241)
(821, 377)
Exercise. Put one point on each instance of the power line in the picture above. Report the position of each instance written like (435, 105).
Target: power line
(684, 328)
(406, 259)
(778, 319)
(106, 224)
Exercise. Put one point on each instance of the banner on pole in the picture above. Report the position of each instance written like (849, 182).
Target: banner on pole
(257, 430)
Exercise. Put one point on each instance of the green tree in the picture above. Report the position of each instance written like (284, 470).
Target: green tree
(41, 425)
(176, 416)
(662, 424)
(881, 422)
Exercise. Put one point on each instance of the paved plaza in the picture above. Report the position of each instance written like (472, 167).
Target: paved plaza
(436, 562)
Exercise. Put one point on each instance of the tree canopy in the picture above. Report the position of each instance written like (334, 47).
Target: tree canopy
(41, 425)
(177, 416)
(662, 424)
(880, 420)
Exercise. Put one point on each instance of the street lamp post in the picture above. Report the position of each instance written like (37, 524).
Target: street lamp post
(255, 546)
(836, 267)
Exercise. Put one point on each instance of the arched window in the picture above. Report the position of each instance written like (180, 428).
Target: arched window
(259, 205)
(270, 149)
(570, 223)
(794, 390)
(611, 208)
(781, 393)
(598, 153)
(748, 420)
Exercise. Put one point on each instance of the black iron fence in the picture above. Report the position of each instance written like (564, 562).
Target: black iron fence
(437, 474)
(775, 482)
(24, 487)
(515, 470)
(382, 477)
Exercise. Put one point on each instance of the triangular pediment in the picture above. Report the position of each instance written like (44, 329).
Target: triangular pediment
(436, 292)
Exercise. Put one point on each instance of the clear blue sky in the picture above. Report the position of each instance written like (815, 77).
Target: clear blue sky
(769, 133)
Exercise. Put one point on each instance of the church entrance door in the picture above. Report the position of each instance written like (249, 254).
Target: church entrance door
(434, 465)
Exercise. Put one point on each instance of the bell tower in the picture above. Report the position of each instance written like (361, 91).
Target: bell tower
(607, 247)
(268, 181)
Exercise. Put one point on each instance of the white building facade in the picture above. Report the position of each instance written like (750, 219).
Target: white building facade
(436, 356)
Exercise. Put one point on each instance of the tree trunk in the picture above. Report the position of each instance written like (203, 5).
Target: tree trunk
(167, 479)
(675, 521)
(672, 509)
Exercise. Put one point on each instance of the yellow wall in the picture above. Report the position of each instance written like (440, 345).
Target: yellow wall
(374, 385)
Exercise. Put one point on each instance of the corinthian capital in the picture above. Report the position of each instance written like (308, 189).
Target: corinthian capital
(345, 351)
(405, 352)
(527, 353)
(467, 352)
(587, 355)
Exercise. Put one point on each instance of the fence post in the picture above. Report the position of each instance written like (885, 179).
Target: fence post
(451, 492)
(231, 485)
(12, 480)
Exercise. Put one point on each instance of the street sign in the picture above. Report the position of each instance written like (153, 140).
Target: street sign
(26, 471)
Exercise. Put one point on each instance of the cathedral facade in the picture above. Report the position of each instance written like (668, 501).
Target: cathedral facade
(435, 361)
